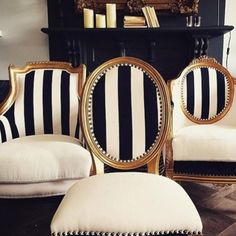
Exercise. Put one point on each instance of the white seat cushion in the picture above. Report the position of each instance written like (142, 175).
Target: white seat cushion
(126, 203)
(205, 143)
(43, 158)
(35, 190)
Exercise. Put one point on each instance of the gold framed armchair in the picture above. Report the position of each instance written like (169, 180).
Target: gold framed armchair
(40, 150)
(202, 145)
(125, 119)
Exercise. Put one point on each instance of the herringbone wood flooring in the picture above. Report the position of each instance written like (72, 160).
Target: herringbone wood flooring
(217, 207)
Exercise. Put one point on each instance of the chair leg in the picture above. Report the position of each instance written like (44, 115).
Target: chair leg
(169, 173)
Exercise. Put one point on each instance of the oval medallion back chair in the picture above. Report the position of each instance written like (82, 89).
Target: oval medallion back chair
(202, 145)
(40, 151)
(125, 119)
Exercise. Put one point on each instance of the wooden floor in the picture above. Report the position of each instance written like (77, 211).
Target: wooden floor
(217, 207)
(32, 217)
(27, 217)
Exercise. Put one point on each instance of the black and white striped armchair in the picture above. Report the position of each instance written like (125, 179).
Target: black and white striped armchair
(40, 146)
(202, 145)
(125, 119)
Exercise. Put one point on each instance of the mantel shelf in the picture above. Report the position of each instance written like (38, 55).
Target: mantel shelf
(177, 45)
(205, 31)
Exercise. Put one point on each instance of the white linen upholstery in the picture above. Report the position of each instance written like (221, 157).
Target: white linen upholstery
(32, 190)
(181, 121)
(205, 143)
(43, 158)
(47, 101)
(202, 144)
(126, 203)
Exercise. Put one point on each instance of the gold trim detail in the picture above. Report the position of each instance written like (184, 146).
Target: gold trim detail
(206, 62)
(196, 63)
(153, 165)
(234, 80)
(90, 113)
(86, 113)
(14, 71)
(205, 178)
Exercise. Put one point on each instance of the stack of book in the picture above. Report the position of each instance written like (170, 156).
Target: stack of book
(134, 22)
(150, 16)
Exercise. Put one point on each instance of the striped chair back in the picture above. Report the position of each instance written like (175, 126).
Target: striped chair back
(206, 90)
(44, 99)
(125, 112)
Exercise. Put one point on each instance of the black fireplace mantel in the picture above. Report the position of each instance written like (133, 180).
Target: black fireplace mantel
(169, 49)
(204, 31)
(162, 47)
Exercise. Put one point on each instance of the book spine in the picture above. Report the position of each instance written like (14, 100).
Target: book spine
(144, 10)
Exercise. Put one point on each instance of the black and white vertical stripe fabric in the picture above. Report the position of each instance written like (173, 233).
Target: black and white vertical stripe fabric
(204, 92)
(47, 103)
(126, 112)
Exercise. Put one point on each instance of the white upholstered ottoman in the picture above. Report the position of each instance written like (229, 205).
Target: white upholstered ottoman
(126, 204)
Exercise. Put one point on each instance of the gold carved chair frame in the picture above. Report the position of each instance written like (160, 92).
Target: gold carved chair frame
(150, 158)
(207, 62)
(13, 71)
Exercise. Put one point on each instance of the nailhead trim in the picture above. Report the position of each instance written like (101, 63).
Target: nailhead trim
(91, 117)
(184, 102)
(47, 62)
(154, 233)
